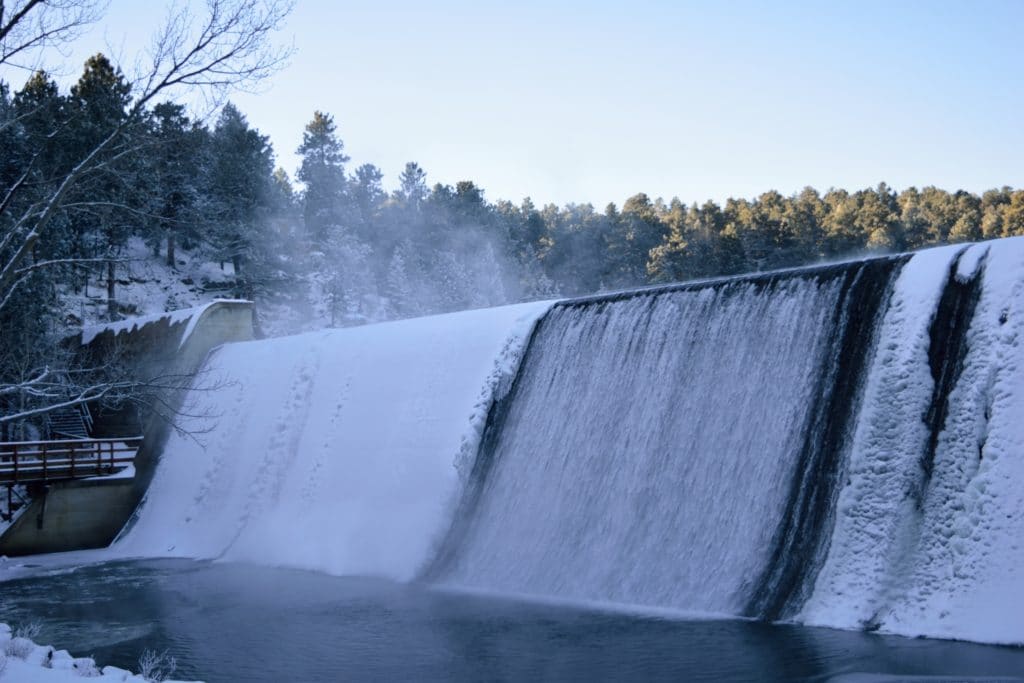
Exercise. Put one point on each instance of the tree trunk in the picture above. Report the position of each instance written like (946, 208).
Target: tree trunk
(170, 249)
(111, 302)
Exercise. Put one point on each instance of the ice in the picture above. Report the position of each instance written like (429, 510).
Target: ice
(873, 506)
(965, 580)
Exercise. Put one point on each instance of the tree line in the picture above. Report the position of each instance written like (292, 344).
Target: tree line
(364, 253)
(342, 249)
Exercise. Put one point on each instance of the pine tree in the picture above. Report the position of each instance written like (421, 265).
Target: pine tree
(412, 185)
(323, 173)
(176, 163)
(97, 106)
(878, 218)
(992, 203)
(238, 188)
(367, 193)
(398, 286)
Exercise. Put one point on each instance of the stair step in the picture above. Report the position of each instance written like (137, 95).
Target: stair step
(68, 422)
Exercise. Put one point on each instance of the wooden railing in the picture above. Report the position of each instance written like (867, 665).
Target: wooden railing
(24, 462)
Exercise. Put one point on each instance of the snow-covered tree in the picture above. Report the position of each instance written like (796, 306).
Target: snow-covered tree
(323, 173)
(226, 46)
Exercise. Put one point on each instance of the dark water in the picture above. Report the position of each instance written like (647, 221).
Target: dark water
(232, 622)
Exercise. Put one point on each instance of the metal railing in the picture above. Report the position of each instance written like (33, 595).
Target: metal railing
(24, 462)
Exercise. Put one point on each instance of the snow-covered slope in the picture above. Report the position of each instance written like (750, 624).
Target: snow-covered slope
(147, 287)
(332, 450)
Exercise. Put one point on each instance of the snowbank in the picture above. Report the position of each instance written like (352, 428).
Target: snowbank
(23, 661)
(335, 450)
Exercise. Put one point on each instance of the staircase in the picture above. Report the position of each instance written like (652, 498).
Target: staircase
(70, 423)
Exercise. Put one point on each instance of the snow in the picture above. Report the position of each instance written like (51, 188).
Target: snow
(965, 581)
(334, 450)
(873, 511)
(971, 260)
(951, 569)
(24, 661)
(131, 324)
(189, 315)
(147, 286)
(127, 472)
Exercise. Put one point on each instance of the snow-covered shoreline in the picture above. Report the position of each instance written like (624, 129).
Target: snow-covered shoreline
(22, 660)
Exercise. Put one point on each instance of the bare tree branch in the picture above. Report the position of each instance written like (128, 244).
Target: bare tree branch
(227, 46)
(230, 47)
(33, 25)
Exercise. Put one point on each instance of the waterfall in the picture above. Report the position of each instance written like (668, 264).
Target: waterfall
(676, 447)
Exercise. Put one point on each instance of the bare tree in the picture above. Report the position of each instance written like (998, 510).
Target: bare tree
(230, 45)
(27, 27)
(112, 385)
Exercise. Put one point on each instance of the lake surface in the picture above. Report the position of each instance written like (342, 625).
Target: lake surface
(225, 622)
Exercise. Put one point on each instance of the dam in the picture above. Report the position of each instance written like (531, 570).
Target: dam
(837, 446)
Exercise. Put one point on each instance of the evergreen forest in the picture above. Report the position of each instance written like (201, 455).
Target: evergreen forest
(365, 250)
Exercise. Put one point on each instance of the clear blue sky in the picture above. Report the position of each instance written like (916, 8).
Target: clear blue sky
(595, 101)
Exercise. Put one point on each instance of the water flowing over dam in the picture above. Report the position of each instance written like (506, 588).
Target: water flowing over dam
(663, 458)
(840, 445)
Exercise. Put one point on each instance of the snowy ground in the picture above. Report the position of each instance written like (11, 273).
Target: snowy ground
(24, 661)
(146, 286)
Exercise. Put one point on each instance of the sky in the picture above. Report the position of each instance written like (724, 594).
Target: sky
(596, 101)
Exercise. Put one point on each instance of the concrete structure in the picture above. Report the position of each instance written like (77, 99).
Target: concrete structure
(71, 515)
(90, 513)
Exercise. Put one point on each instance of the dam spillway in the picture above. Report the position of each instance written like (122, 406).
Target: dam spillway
(838, 445)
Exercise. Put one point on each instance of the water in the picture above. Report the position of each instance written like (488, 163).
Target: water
(671, 449)
(229, 622)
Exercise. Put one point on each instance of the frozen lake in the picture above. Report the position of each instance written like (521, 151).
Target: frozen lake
(228, 622)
